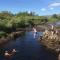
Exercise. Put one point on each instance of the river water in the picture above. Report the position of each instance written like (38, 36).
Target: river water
(27, 47)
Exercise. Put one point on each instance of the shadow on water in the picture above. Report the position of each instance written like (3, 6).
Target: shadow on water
(28, 48)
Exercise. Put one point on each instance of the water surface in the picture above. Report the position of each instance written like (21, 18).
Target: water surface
(28, 48)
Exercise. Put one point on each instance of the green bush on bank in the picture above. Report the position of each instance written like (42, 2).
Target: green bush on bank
(9, 21)
(2, 33)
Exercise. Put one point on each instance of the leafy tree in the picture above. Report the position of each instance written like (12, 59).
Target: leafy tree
(31, 23)
(6, 15)
(21, 24)
(54, 16)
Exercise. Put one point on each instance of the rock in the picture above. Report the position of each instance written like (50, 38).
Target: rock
(50, 40)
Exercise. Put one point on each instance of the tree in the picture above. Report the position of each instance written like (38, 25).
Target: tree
(6, 15)
(54, 16)
(21, 24)
(31, 23)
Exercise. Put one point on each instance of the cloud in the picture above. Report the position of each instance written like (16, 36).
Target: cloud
(43, 9)
(54, 4)
(51, 8)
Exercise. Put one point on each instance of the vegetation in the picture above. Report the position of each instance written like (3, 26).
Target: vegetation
(10, 22)
(2, 34)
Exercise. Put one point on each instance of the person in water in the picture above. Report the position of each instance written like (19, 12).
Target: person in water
(7, 54)
(34, 31)
(14, 50)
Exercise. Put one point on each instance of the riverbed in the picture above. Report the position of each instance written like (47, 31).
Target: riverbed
(28, 48)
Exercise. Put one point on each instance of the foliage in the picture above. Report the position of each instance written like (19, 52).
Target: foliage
(2, 33)
(10, 22)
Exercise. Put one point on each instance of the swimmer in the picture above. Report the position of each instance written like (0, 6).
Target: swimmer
(7, 54)
(14, 50)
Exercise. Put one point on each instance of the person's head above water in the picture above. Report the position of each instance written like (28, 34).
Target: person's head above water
(6, 51)
(14, 50)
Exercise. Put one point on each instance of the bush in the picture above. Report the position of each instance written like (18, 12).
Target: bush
(2, 33)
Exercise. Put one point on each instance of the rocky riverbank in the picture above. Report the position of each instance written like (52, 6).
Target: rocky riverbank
(5, 37)
(51, 40)
(10, 36)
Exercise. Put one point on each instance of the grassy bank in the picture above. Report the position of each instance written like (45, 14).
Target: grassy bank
(5, 37)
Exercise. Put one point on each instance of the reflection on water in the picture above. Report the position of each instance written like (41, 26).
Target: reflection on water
(28, 48)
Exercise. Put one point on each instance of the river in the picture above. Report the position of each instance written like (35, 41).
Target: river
(27, 47)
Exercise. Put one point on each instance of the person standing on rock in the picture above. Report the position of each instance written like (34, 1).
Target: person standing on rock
(52, 27)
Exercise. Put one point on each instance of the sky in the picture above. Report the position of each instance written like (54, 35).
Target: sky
(41, 7)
